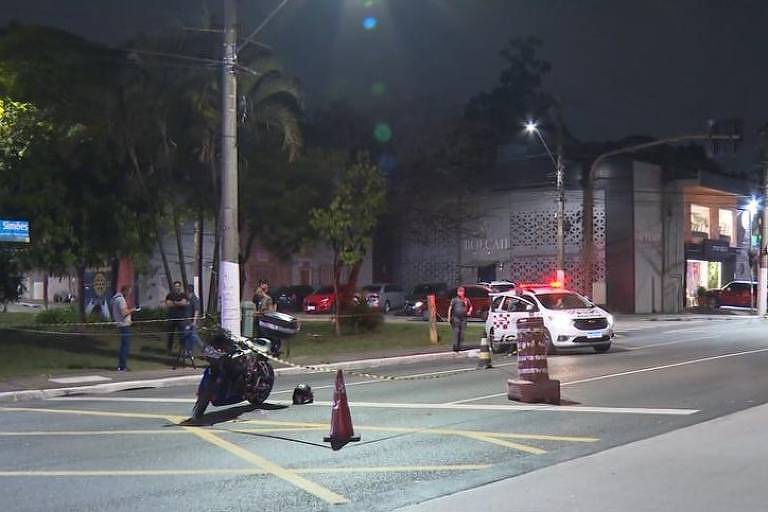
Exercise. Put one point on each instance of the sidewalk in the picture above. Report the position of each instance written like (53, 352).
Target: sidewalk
(710, 467)
(107, 381)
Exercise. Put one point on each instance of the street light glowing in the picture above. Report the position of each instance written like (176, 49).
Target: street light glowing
(531, 127)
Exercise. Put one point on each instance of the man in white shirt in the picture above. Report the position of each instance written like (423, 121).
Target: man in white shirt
(121, 314)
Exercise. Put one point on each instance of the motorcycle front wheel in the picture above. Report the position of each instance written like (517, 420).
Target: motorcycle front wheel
(261, 378)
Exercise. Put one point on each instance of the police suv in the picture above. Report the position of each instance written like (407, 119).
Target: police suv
(570, 320)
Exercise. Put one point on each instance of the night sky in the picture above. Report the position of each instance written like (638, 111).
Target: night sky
(655, 67)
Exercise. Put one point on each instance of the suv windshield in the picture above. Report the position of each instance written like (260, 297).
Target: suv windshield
(562, 301)
(325, 289)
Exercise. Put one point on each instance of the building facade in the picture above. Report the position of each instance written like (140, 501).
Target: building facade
(660, 233)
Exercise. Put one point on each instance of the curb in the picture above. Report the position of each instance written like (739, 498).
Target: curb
(167, 382)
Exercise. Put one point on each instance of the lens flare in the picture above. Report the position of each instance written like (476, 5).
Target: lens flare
(370, 23)
(378, 89)
(382, 132)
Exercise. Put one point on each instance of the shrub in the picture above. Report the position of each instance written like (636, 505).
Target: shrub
(57, 316)
(150, 314)
(361, 317)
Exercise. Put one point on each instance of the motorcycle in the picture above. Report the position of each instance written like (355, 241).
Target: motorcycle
(239, 368)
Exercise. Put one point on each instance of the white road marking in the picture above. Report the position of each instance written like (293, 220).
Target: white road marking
(665, 343)
(423, 406)
(629, 372)
(80, 380)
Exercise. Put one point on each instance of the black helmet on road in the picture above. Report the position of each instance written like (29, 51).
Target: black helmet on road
(303, 395)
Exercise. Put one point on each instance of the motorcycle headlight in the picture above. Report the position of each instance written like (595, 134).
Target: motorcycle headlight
(418, 304)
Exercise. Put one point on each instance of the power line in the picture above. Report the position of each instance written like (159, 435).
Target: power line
(263, 24)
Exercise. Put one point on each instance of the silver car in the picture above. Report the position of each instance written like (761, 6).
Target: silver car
(386, 297)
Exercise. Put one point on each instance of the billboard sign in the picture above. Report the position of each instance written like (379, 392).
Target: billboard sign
(16, 231)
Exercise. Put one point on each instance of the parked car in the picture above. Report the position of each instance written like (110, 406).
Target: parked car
(570, 320)
(291, 298)
(478, 294)
(735, 293)
(384, 296)
(321, 301)
(416, 301)
(500, 286)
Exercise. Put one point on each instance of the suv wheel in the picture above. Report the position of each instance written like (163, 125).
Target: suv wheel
(713, 303)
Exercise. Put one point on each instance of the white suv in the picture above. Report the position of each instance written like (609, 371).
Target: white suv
(571, 320)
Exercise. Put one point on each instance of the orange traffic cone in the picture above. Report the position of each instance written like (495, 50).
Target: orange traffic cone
(341, 421)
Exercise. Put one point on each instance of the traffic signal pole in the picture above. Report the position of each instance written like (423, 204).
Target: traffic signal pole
(229, 266)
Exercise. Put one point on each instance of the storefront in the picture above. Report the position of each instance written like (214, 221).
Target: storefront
(708, 264)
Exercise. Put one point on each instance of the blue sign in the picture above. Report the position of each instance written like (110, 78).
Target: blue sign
(14, 231)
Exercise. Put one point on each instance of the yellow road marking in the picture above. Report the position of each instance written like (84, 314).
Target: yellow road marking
(91, 433)
(240, 472)
(138, 472)
(286, 474)
(396, 469)
(507, 444)
(427, 430)
(498, 438)
(81, 412)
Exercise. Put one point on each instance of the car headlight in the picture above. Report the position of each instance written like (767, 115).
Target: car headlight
(610, 319)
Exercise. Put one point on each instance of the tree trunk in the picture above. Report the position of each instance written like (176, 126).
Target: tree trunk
(180, 247)
(337, 300)
(45, 290)
(213, 287)
(245, 254)
(164, 258)
(200, 230)
(351, 286)
(81, 290)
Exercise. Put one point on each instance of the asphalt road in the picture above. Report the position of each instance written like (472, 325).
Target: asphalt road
(451, 429)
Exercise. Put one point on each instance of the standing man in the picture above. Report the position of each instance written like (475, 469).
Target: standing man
(458, 312)
(121, 314)
(177, 303)
(193, 314)
(265, 304)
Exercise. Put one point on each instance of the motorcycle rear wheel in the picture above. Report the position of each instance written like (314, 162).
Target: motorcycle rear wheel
(261, 379)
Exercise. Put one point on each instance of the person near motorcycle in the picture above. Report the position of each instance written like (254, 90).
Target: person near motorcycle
(176, 302)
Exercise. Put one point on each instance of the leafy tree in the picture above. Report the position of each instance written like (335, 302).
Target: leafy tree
(69, 181)
(277, 195)
(449, 161)
(519, 94)
(347, 225)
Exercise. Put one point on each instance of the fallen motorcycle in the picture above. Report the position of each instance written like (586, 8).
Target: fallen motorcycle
(239, 368)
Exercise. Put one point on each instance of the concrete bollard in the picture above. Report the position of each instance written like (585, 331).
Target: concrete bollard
(533, 383)
(247, 311)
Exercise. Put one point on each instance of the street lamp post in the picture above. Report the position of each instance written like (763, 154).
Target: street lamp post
(532, 128)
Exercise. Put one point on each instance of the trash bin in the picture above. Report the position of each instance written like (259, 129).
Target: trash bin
(247, 310)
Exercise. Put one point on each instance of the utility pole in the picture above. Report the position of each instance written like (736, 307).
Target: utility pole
(229, 266)
(561, 199)
(762, 276)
